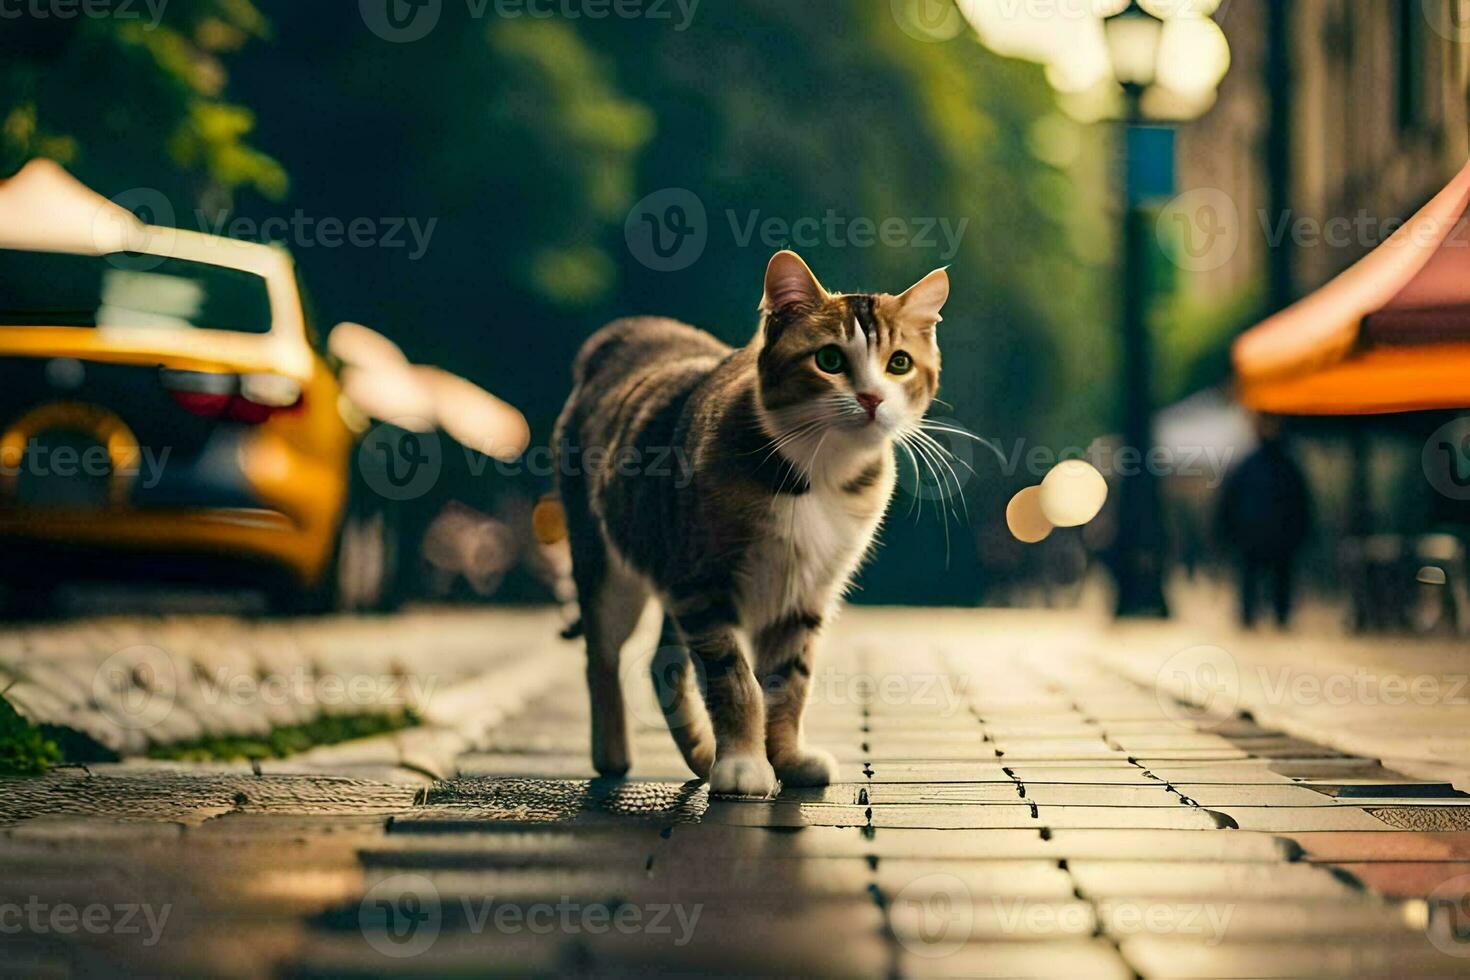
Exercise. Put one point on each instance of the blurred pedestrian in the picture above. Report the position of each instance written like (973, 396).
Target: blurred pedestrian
(1264, 516)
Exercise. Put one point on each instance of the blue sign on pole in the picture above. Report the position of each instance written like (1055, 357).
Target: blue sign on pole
(1150, 163)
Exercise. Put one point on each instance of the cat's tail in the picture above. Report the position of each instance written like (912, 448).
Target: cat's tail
(676, 686)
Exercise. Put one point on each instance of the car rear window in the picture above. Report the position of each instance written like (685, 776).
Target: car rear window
(44, 289)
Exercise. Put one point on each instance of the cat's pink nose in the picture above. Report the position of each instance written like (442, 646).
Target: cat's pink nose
(870, 403)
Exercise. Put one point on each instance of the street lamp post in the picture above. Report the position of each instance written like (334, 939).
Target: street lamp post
(1166, 58)
(1137, 558)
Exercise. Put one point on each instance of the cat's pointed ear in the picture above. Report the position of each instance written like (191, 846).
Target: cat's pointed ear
(789, 283)
(925, 298)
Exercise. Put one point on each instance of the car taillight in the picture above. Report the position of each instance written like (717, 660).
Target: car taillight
(247, 398)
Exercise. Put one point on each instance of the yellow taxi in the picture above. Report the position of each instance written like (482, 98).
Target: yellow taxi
(166, 411)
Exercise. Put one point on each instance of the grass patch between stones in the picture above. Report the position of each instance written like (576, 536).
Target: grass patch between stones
(288, 740)
(25, 750)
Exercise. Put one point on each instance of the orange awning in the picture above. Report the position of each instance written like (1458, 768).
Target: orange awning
(1391, 334)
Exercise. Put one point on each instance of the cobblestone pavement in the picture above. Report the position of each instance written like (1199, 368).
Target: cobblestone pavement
(1012, 804)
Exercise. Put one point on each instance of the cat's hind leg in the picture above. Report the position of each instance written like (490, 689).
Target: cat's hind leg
(612, 598)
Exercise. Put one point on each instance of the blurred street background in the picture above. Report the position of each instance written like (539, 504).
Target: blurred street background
(289, 294)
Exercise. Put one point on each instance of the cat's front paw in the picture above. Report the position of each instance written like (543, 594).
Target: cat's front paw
(810, 767)
(743, 775)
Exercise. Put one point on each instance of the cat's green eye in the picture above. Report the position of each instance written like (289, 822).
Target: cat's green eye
(900, 363)
(830, 359)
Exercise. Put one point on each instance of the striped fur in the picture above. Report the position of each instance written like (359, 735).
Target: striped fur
(774, 479)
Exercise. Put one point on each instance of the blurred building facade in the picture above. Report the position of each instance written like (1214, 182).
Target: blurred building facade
(1338, 120)
(1371, 109)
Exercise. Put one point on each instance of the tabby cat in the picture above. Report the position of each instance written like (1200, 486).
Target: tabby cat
(788, 466)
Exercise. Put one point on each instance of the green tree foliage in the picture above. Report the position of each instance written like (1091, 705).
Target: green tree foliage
(124, 100)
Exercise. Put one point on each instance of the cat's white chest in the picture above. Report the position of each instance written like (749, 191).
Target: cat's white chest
(816, 543)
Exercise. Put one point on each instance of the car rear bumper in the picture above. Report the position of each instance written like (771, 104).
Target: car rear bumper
(252, 535)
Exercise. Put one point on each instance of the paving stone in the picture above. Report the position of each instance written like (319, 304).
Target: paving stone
(1065, 958)
(1363, 790)
(972, 880)
(1335, 770)
(92, 831)
(826, 940)
(1165, 757)
(955, 721)
(1151, 795)
(909, 771)
(240, 825)
(1065, 726)
(1047, 794)
(1000, 816)
(923, 738)
(1231, 773)
(1286, 747)
(995, 918)
(1407, 879)
(1230, 796)
(1172, 845)
(192, 798)
(1182, 956)
(358, 952)
(556, 795)
(1163, 743)
(1214, 880)
(1350, 846)
(782, 814)
(1430, 818)
(626, 847)
(1293, 819)
(976, 752)
(1211, 920)
(908, 793)
(1067, 749)
(1121, 774)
